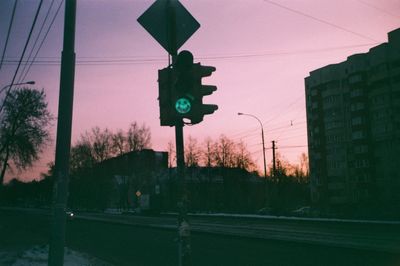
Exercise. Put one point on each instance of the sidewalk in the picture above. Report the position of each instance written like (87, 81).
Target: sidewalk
(37, 256)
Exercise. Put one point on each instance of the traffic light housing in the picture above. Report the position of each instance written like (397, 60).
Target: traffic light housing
(166, 77)
(199, 108)
(181, 91)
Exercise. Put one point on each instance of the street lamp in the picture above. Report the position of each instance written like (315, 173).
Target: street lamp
(22, 83)
(7, 86)
(263, 147)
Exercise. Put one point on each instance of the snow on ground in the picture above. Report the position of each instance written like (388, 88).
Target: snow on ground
(37, 256)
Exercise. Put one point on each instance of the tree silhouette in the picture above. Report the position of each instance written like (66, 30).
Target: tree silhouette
(24, 129)
(97, 145)
(138, 138)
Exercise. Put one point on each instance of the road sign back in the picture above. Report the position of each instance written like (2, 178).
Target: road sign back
(169, 22)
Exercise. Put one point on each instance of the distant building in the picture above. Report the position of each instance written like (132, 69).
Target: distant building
(129, 178)
(353, 124)
(131, 174)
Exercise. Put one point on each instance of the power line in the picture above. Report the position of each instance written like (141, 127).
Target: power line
(295, 136)
(292, 128)
(22, 55)
(254, 130)
(378, 8)
(292, 147)
(286, 108)
(127, 60)
(320, 20)
(36, 41)
(246, 133)
(8, 33)
(44, 38)
(283, 53)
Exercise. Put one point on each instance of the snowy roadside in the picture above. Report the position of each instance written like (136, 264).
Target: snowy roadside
(37, 256)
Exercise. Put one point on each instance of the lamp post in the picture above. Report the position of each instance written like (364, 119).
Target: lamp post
(263, 146)
(10, 85)
(22, 83)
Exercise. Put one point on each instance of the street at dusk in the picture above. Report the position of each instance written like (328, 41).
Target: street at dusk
(124, 244)
(209, 132)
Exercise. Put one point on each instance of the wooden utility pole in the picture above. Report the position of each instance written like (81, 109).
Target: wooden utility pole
(273, 161)
(63, 142)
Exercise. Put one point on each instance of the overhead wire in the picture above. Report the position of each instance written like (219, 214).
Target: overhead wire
(292, 147)
(44, 38)
(320, 20)
(291, 137)
(378, 8)
(8, 33)
(36, 41)
(291, 128)
(22, 55)
(286, 108)
(129, 60)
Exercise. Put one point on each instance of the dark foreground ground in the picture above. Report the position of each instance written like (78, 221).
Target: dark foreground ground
(128, 245)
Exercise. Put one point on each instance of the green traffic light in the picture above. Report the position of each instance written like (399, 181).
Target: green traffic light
(183, 106)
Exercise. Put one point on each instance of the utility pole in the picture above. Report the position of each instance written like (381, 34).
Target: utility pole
(63, 142)
(273, 161)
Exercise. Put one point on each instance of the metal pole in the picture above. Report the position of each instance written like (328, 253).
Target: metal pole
(263, 146)
(63, 142)
(273, 160)
(184, 248)
(265, 166)
(183, 223)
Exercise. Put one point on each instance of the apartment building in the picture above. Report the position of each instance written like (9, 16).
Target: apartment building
(353, 125)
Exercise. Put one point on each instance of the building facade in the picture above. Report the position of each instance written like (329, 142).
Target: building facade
(353, 125)
(123, 177)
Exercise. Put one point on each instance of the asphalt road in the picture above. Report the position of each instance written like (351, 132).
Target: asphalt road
(138, 245)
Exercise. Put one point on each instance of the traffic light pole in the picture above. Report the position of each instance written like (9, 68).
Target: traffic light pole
(184, 248)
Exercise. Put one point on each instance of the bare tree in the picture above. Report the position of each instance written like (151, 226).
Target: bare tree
(171, 154)
(192, 152)
(119, 142)
(82, 156)
(224, 152)
(208, 152)
(138, 138)
(301, 171)
(97, 145)
(24, 128)
(101, 141)
(304, 164)
(243, 157)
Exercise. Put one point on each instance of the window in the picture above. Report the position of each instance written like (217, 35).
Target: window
(355, 78)
(357, 106)
(356, 92)
(356, 121)
(332, 165)
(358, 135)
(361, 163)
(333, 139)
(314, 92)
(333, 125)
(361, 149)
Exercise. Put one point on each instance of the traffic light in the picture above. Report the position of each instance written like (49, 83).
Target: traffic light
(181, 91)
(166, 76)
(189, 91)
(199, 108)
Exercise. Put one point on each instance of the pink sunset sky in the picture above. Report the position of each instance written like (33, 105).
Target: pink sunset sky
(262, 50)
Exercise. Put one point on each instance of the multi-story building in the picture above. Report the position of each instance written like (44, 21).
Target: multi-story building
(353, 124)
